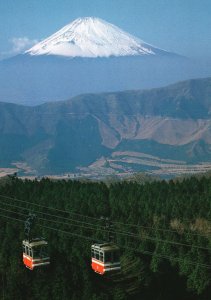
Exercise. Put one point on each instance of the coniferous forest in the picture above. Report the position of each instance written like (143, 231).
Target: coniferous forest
(163, 230)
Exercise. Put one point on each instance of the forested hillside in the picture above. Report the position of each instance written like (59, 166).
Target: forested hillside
(163, 230)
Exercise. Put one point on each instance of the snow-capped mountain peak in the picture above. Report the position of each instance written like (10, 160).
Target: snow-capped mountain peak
(92, 37)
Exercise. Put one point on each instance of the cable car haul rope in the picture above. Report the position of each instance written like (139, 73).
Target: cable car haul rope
(105, 254)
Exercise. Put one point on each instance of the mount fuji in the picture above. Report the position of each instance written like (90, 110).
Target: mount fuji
(89, 56)
(92, 37)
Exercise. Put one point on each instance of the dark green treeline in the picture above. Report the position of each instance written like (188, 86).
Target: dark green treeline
(165, 257)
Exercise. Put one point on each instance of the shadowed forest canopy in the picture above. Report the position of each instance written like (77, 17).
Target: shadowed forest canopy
(162, 228)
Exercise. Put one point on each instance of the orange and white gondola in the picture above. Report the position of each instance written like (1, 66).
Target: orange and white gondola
(35, 253)
(35, 250)
(105, 258)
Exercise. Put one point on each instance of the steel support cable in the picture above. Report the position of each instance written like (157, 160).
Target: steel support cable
(81, 222)
(64, 218)
(159, 240)
(48, 207)
(156, 228)
(48, 220)
(14, 212)
(119, 233)
(84, 216)
(166, 257)
(96, 219)
(52, 215)
(124, 233)
(127, 248)
(70, 233)
(55, 229)
(12, 218)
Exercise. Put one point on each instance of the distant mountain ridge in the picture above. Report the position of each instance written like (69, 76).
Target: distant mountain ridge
(115, 131)
(32, 80)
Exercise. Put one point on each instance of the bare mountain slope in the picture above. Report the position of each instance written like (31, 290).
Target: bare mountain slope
(123, 131)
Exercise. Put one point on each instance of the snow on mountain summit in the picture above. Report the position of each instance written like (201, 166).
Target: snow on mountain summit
(92, 37)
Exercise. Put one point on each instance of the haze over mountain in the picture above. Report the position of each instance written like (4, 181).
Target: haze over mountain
(90, 56)
(114, 132)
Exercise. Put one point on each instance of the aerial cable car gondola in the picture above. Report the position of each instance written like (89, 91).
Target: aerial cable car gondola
(35, 252)
(105, 256)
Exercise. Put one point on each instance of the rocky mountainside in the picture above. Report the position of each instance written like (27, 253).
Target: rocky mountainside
(111, 132)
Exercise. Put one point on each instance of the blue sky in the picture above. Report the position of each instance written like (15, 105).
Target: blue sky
(182, 26)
